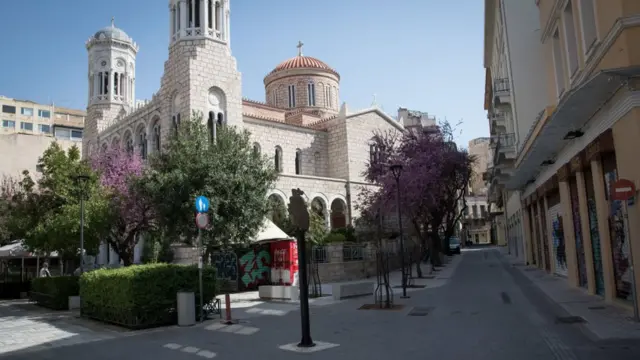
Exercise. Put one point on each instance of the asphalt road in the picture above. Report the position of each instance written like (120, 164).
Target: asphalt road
(487, 311)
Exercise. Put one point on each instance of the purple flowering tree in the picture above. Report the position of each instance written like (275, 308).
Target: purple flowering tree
(431, 183)
(132, 212)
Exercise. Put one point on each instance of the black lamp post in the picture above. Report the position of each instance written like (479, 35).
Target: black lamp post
(396, 170)
(82, 182)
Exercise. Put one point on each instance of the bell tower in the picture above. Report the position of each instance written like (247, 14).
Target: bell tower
(201, 75)
(111, 80)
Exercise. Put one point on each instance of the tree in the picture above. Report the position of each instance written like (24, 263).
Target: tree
(46, 213)
(428, 184)
(9, 188)
(221, 165)
(280, 216)
(131, 211)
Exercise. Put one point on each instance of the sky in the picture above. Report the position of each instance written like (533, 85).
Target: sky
(423, 55)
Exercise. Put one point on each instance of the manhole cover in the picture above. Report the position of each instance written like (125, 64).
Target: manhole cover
(420, 311)
(570, 320)
(598, 307)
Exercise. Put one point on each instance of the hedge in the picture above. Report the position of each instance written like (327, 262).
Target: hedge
(54, 292)
(142, 296)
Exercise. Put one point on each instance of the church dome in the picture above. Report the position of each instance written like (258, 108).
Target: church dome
(303, 62)
(113, 33)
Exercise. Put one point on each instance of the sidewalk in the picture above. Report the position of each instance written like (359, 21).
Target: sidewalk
(604, 320)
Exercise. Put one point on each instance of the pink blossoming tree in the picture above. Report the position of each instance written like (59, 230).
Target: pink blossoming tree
(131, 213)
(434, 176)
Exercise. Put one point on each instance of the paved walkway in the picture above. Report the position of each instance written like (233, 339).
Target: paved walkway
(603, 321)
(487, 310)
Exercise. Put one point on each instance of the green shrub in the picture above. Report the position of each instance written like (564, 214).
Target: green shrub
(142, 296)
(54, 292)
(334, 237)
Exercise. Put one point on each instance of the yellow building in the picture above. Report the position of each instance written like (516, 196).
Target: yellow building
(585, 139)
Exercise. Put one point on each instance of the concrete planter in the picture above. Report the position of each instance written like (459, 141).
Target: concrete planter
(74, 302)
(278, 292)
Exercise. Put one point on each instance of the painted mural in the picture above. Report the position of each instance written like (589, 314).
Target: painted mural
(254, 267)
(595, 246)
(226, 264)
(577, 229)
(619, 245)
(558, 243)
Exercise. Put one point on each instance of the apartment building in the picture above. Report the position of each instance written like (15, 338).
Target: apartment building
(475, 226)
(581, 144)
(514, 98)
(28, 128)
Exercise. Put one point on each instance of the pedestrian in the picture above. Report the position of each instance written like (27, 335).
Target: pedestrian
(44, 271)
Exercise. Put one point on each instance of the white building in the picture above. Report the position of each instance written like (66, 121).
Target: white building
(515, 97)
(316, 144)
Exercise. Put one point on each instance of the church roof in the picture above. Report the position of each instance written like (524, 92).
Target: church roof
(303, 62)
(112, 32)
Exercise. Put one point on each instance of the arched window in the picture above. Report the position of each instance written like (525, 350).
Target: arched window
(278, 159)
(190, 13)
(218, 15)
(220, 119)
(311, 94)
(106, 83)
(298, 162)
(129, 144)
(210, 14)
(142, 138)
(105, 147)
(256, 149)
(156, 136)
(211, 127)
(115, 84)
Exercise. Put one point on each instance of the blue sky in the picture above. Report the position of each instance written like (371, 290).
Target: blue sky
(424, 55)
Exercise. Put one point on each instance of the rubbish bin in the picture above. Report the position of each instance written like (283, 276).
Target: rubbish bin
(186, 309)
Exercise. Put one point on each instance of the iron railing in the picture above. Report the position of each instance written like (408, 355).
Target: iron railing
(504, 140)
(501, 85)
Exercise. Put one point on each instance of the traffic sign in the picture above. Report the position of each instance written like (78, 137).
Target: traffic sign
(623, 190)
(202, 220)
(202, 204)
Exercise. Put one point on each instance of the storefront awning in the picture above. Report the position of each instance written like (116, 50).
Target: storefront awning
(573, 113)
(270, 232)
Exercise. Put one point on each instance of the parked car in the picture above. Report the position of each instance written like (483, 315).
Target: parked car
(454, 245)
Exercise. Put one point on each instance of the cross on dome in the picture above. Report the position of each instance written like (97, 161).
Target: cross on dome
(300, 45)
(113, 21)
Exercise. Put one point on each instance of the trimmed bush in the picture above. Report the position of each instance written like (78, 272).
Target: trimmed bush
(54, 292)
(142, 296)
(334, 237)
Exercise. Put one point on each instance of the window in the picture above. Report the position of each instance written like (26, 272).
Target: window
(557, 62)
(474, 210)
(76, 134)
(8, 124)
(298, 162)
(8, 109)
(588, 20)
(278, 159)
(129, 144)
(44, 128)
(26, 111)
(210, 14)
(568, 21)
(218, 13)
(327, 96)
(142, 138)
(211, 128)
(156, 137)
(275, 97)
(292, 96)
(483, 210)
(44, 114)
(62, 133)
(311, 94)
(26, 126)
(374, 154)
(256, 149)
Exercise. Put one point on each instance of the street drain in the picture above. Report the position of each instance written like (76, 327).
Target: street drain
(570, 320)
(505, 298)
(597, 307)
(381, 307)
(420, 311)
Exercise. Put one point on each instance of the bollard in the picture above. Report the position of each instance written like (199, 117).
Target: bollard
(227, 305)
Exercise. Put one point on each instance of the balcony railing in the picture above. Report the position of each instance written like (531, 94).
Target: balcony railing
(504, 140)
(501, 85)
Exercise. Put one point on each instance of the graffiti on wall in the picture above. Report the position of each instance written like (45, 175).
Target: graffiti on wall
(226, 264)
(255, 268)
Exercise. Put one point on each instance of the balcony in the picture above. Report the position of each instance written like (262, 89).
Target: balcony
(501, 92)
(503, 142)
(497, 122)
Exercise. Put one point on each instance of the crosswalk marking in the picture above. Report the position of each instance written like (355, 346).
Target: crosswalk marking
(235, 329)
(191, 350)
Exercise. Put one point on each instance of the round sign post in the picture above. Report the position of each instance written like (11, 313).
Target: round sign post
(202, 220)
(624, 190)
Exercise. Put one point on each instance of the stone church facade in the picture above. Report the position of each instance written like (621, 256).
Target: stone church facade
(315, 142)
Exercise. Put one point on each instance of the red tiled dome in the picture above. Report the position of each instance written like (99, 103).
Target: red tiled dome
(303, 62)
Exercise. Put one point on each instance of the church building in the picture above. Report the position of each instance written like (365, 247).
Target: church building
(317, 144)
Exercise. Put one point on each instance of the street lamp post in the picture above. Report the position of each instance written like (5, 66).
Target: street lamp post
(396, 170)
(82, 181)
